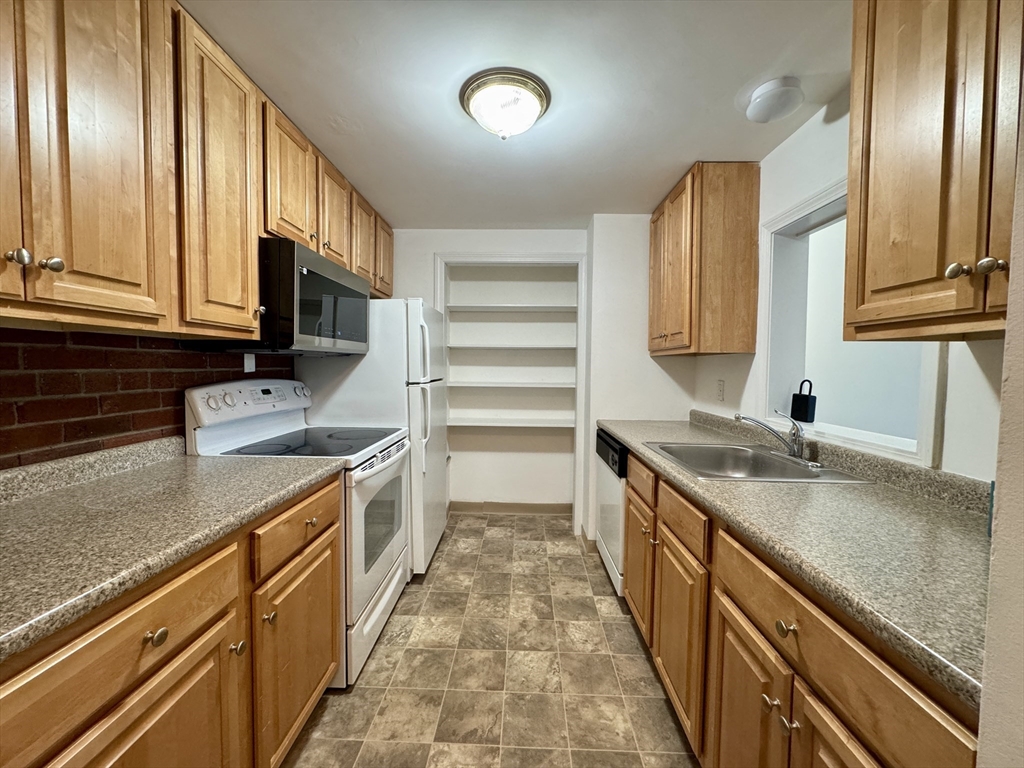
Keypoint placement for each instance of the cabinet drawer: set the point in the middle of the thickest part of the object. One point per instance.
(52, 700)
(274, 543)
(643, 480)
(893, 718)
(686, 521)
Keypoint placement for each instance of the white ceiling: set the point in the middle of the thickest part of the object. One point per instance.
(640, 90)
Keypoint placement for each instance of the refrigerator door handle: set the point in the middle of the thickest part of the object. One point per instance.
(426, 420)
(425, 344)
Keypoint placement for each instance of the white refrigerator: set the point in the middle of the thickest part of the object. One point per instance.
(400, 381)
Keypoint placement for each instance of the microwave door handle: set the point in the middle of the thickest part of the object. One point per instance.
(426, 424)
(424, 350)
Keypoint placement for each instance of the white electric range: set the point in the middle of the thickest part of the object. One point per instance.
(267, 417)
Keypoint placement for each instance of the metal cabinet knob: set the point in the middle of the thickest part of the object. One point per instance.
(261, 310)
(788, 726)
(784, 629)
(238, 648)
(312, 235)
(327, 243)
(655, 543)
(312, 522)
(769, 704)
(20, 256)
(156, 639)
(989, 265)
(54, 264)
(956, 269)
(270, 618)
(645, 531)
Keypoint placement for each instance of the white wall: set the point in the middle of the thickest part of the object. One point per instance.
(812, 159)
(623, 380)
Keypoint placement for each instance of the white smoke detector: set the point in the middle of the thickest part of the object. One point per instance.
(775, 100)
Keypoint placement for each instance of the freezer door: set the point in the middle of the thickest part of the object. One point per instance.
(428, 431)
(427, 351)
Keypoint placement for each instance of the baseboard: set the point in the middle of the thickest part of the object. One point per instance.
(589, 545)
(507, 508)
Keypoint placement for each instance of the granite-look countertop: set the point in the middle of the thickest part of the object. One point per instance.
(68, 551)
(912, 570)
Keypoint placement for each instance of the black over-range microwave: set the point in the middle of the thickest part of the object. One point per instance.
(308, 304)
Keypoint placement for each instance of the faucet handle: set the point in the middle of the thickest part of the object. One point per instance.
(797, 428)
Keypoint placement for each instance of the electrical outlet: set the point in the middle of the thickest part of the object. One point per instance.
(721, 390)
(249, 363)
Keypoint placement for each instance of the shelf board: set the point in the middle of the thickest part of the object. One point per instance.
(510, 346)
(514, 384)
(513, 422)
(512, 308)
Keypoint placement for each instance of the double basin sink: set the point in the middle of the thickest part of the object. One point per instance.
(748, 462)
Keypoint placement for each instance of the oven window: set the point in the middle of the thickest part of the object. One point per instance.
(382, 521)
(330, 310)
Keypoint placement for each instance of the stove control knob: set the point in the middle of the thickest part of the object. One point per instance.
(305, 391)
(298, 391)
(213, 403)
(229, 400)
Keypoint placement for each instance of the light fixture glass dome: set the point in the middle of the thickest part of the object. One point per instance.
(505, 101)
(775, 100)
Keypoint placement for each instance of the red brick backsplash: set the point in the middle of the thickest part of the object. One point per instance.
(62, 394)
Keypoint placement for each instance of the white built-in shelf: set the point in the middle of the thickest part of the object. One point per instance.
(511, 346)
(512, 422)
(514, 384)
(511, 307)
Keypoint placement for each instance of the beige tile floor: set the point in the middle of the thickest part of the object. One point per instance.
(512, 651)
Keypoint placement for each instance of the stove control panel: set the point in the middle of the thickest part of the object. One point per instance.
(230, 401)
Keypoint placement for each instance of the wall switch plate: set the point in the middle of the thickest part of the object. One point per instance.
(721, 390)
(249, 363)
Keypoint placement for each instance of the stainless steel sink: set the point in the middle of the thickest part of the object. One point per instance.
(748, 462)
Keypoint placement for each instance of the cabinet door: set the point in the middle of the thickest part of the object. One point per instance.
(656, 333)
(188, 714)
(12, 282)
(818, 739)
(680, 623)
(920, 162)
(677, 280)
(297, 637)
(219, 169)
(638, 565)
(335, 200)
(290, 179)
(384, 278)
(363, 236)
(96, 133)
(749, 687)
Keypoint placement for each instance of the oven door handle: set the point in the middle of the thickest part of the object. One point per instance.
(358, 477)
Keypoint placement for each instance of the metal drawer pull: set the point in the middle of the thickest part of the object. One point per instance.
(989, 265)
(769, 704)
(157, 638)
(270, 618)
(784, 629)
(238, 648)
(312, 522)
(787, 726)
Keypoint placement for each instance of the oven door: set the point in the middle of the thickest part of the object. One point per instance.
(377, 503)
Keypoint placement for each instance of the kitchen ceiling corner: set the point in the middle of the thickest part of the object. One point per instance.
(376, 87)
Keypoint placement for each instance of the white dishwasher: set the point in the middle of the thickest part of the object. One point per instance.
(611, 504)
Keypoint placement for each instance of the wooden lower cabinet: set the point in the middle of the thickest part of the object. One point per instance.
(297, 644)
(188, 714)
(638, 561)
(819, 739)
(679, 629)
(749, 687)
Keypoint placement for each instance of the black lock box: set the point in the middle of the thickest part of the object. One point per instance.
(803, 405)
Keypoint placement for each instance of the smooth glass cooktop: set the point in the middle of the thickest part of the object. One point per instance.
(316, 441)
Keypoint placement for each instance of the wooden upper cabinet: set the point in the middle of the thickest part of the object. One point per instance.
(12, 281)
(383, 279)
(364, 254)
(680, 622)
(704, 257)
(638, 561)
(290, 180)
(819, 739)
(297, 623)
(97, 131)
(219, 184)
(749, 687)
(921, 178)
(188, 714)
(335, 194)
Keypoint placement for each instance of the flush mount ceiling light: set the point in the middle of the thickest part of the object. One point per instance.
(505, 101)
(775, 100)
